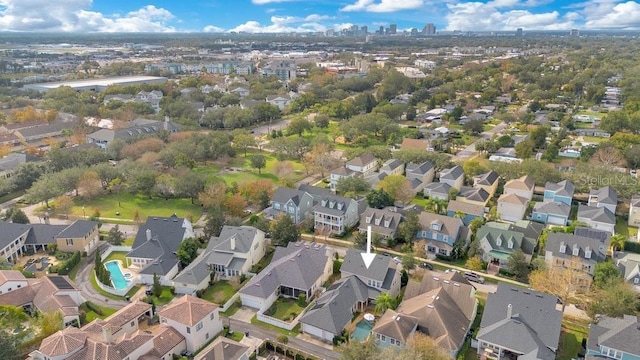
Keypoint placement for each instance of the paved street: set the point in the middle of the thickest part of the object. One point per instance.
(470, 150)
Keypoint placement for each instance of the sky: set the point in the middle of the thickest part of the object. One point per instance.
(273, 16)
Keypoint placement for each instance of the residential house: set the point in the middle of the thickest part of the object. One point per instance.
(295, 203)
(299, 268)
(11, 162)
(374, 178)
(154, 248)
(634, 211)
(441, 308)
(335, 214)
(284, 70)
(629, 266)
(440, 233)
(152, 98)
(599, 218)
(473, 195)
(384, 222)
(335, 308)
(46, 294)
(487, 181)
(498, 241)
(364, 164)
(604, 197)
(116, 337)
(512, 207)
(81, 235)
(281, 101)
(197, 320)
(419, 175)
(437, 190)
(454, 177)
(382, 275)
(561, 249)
(560, 192)
(393, 167)
(223, 348)
(555, 213)
(338, 174)
(34, 134)
(522, 187)
(139, 128)
(614, 338)
(241, 91)
(465, 210)
(232, 254)
(519, 324)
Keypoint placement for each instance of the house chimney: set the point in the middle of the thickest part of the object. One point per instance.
(106, 333)
(232, 243)
(148, 232)
(509, 311)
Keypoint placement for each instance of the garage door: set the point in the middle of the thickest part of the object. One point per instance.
(251, 302)
(555, 220)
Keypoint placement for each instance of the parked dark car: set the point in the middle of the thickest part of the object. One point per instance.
(426, 265)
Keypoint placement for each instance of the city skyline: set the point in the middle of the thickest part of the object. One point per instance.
(278, 16)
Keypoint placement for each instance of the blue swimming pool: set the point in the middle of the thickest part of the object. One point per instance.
(117, 278)
(362, 330)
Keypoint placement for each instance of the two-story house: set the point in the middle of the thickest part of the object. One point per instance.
(225, 349)
(629, 266)
(559, 192)
(453, 177)
(522, 187)
(562, 249)
(498, 243)
(440, 233)
(473, 195)
(364, 164)
(393, 167)
(335, 214)
(604, 197)
(294, 203)
(555, 213)
(197, 320)
(384, 222)
(487, 181)
(464, 210)
(512, 207)
(229, 255)
(338, 174)
(599, 218)
(382, 275)
(419, 175)
(281, 101)
(81, 235)
(614, 338)
(519, 324)
(634, 211)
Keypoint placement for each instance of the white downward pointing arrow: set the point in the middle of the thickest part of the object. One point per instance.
(368, 256)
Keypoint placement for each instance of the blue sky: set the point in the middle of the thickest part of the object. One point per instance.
(313, 15)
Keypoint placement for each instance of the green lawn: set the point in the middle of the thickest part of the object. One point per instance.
(294, 332)
(220, 292)
(285, 309)
(128, 204)
(623, 229)
(592, 139)
(165, 297)
(236, 335)
(571, 339)
(117, 255)
(232, 309)
(92, 315)
(266, 260)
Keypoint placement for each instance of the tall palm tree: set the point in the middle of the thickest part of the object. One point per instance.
(458, 214)
(384, 301)
(617, 243)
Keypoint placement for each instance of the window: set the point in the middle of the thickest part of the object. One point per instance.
(133, 323)
(206, 336)
(383, 338)
(636, 281)
(213, 316)
(70, 242)
(188, 330)
(199, 326)
(276, 206)
(292, 210)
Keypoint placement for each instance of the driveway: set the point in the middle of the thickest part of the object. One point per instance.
(470, 150)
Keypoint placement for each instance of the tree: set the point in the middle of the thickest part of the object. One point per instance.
(352, 186)
(116, 237)
(474, 263)
(258, 161)
(379, 199)
(214, 195)
(616, 298)
(617, 242)
(63, 204)
(16, 216)
(356, 350)
(408, 261)
(524, 149)
(187, 251)
(50, 322)
(321, 121)
(189, 184)
(409, 227)
(299, 126)
(518, 265)
(565, 282)
(609, 156)
(604, 273)
(156, 288)
(398, 187)
(284, 231)
(90, 185)
(235, 205)
(244, 141)
(214, 223)
(473, 127)
(384, 301)
(9, 349)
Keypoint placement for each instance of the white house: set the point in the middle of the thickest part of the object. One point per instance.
(196, 319)
(511, 207)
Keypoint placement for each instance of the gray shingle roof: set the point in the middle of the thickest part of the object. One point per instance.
(332, 311)
(452, 173)
(599, 214)
(353, 264)
(391, 165)
(44, 233)
(493, 236)
(437, 188)
(606, 195)
(362, 160)
(382, 217)
(11, 232)
(474, 194)
(592, 233)
(563, 188)
(299, 266)
(284, 194)
(166, 236)
(488, 178)
(243, 237)
(419, 169)
(555, 241)
(333, 205)
(467, 208)
(619, 334)
(554, 208)
(78, 229)
(535, 310)
(449, 225)
(13, 160)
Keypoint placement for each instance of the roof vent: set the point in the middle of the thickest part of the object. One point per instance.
(430, 306)
(446, 281)
(456, 284)
(539, 295)
(436, 279)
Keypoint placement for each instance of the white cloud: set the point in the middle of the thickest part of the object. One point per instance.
(73, 15)
(265, 2)
(607, 15)
(384, 6)
(212, 29)
(280, 24)
(490, 16)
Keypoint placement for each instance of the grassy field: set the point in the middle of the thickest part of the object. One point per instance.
(592, 139)
(220, 292)
(117, 255)
(623, 229)
(284, 309)
(127, 204)
(92, 315)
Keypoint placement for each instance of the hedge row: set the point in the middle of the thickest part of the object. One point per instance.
(632, 246)
(64, 268)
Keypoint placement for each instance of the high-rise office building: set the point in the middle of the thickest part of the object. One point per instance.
(364, 30)
(381, 30)
(519, 32)
(393, 28)
(574, 32)
(429, 29)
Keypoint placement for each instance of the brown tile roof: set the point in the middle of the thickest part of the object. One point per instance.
(63, 342)
(164, 340)
(362, 160)
(18, 297)
(127, 314)
(188, 310)
(513, 199)
(223, 349)
(467, 208)
(10, 275)
(99, 350)
(524, 183)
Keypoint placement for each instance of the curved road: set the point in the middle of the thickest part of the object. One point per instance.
(470, 150)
